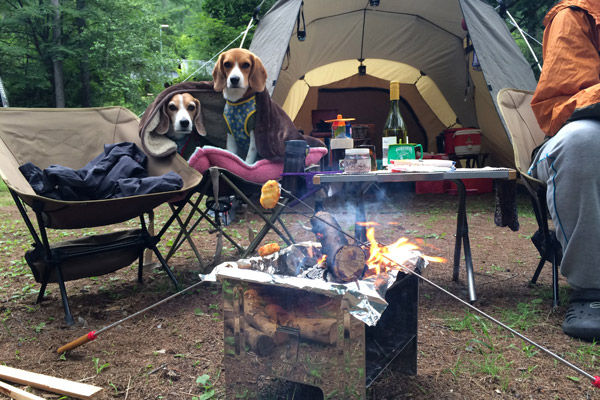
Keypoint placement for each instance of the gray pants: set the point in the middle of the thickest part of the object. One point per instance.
(569, 163)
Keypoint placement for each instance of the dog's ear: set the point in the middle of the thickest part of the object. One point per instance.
(199, 120)
(218, 74)
(258, 75)
(164, 122)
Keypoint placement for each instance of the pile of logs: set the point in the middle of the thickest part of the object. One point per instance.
(266, 325)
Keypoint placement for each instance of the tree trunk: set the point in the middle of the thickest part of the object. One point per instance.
(84, 65)
(59, 87)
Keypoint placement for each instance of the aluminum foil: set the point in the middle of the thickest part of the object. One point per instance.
(363, 299)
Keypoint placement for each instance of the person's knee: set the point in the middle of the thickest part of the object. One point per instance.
(578, 146)
(581, 137)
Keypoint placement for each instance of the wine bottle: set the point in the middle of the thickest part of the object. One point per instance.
(394, 130)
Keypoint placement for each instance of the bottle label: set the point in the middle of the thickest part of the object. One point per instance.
(385, 145)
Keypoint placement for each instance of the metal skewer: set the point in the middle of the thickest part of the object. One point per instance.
(94, 334)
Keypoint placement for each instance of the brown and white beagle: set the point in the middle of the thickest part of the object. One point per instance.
(179, 116)
(240, 74)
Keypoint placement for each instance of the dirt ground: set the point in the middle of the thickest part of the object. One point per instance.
(175, 351)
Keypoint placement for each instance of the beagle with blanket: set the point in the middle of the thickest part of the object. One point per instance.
(240, 75)
(178, 116)
(272, 129)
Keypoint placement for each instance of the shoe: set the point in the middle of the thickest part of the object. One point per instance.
(583, 316)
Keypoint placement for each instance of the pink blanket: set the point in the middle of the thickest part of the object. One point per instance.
(259, 172)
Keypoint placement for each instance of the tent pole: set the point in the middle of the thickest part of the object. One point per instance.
(525, 39)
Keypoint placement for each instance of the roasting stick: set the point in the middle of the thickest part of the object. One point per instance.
(595, 379)
(94, 334)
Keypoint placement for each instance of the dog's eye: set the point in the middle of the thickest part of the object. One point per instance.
(245, 65)
(172, 107)
(191, 107)
(227, 64)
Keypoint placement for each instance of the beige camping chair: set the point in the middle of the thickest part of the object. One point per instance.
(71, 138)
(526, 135)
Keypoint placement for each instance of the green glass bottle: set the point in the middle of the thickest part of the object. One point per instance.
(394, 130)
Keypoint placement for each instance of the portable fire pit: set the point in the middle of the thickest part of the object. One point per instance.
(278, 323)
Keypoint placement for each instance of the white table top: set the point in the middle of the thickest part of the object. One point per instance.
(387, 176)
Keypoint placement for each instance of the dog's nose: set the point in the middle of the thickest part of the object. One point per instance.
(234, 80)
(184, 123)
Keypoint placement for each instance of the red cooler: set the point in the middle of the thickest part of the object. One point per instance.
(467, 141)
(422, 187)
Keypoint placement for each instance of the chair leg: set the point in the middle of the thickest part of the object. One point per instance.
(43, 287)
(41, 293)
(63, 294)
(141, 267)
(539, 268)
(165, 266)
(150, 242)
(555, 298)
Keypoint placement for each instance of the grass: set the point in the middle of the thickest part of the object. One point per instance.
(5, 197)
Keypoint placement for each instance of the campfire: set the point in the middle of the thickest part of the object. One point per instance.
(391, 257)
(332, 314)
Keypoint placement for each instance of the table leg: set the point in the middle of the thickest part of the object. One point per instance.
(462, 239)
(360, 230)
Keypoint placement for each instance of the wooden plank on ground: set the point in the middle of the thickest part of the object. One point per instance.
(16, 393)
(49, 383)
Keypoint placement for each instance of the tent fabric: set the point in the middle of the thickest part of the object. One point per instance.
(420, 43)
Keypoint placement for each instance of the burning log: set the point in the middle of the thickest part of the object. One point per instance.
(345, 262)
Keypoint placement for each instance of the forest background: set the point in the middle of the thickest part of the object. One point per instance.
(92, 53)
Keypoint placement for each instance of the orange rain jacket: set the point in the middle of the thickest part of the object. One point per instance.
(569, 86)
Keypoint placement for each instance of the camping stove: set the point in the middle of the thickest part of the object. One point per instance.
(324, 345)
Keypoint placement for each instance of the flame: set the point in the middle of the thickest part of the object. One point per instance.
(380, 257)
(367, 223)
(322, 259)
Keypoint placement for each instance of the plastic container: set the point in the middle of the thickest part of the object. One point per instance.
(356, 161)
(338, 127)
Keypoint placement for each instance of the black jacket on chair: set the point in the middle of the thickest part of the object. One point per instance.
(120, 171)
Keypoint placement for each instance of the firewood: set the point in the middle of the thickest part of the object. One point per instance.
(262, 345)
(346, 262)
(268, 318)
(322, 330)
(49, 383)
(257, 319)
(16, 393)
(277, 314)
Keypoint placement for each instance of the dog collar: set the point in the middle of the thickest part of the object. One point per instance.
(241, 101)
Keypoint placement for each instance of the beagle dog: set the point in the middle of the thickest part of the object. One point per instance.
(240, 74)
(179, 115)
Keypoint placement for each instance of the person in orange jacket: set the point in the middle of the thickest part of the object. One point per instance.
(566, 103)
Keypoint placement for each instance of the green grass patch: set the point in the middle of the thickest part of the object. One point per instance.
(5, 197)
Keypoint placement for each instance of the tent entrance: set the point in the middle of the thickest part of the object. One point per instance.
(370, 105)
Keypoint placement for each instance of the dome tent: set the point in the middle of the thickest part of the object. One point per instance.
(421, 44)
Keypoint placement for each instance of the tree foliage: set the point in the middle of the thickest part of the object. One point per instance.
(123, 52)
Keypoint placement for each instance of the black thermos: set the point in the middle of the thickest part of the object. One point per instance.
(294, 162)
